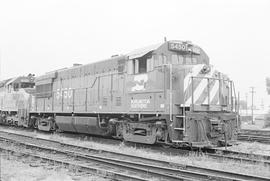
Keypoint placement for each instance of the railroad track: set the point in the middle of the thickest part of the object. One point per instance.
(262, 136)
(240, 156)
(216, 153)
(111, 164)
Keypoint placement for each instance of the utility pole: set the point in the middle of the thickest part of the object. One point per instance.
(246, 104)
(262, 105)
(252, 107)
(0, 65)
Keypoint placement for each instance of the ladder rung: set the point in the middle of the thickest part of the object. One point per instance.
(180, 129)
(178, 141)
(205, 104)
(180, 116)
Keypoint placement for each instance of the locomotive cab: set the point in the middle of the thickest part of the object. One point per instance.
(20, 83)
(183, 99)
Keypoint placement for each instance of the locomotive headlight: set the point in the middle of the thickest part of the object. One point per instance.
(206, 69)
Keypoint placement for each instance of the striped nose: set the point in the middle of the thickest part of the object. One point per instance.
(202, 86)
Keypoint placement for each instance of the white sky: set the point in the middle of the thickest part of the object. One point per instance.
(39, 36)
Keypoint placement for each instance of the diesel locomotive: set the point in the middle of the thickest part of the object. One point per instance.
(15, 94)
(167, 93)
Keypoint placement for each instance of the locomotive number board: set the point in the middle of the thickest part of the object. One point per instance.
(183, 47)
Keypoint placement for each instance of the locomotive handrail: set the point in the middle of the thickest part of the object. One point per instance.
(170, 98)
(145, 91)
(171, 93)
(232, 103)
(210, 78)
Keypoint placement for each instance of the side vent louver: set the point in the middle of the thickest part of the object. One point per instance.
(105, 101)
(118, 101)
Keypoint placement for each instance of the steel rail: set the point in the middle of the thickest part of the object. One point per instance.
(256, 131)
(95, 170)
(242, 154)
(236, 157)
(220, 153)
(262, 136)
(260, 139)
(158, 172)
(187, 167)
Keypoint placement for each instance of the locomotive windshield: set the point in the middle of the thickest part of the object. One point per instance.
(180, 59)
(27, 85)
(187, 54)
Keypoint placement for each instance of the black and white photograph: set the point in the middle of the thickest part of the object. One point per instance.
(133, 90)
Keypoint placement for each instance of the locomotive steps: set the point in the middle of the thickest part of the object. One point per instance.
(82, 157)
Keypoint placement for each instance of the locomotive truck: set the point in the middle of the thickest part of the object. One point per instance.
(166, 93)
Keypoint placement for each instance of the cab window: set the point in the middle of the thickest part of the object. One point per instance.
(188, 60)
(16, 86)
(160, 60)
(194, 60)
(142, 65)
(138, 65)
(177, 59)
(150, 63)
(27, 85)
(9, 88)
(180, 59)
